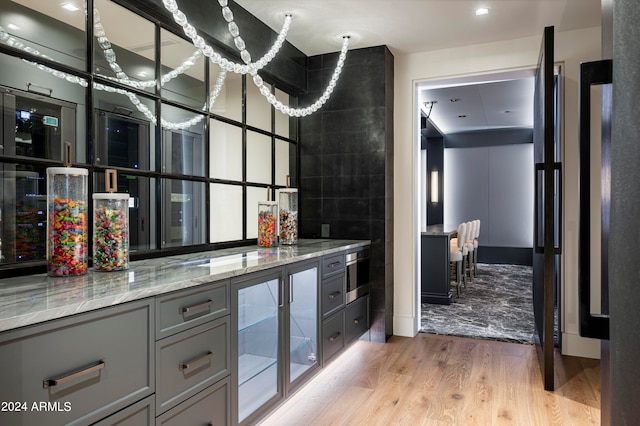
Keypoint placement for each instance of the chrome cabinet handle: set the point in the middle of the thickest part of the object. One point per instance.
(333, 264)
(47, 383)
(187, 309)
(334, 336)
(290, 289)
(335, 294)
(186, 365)
(281, 295)
(356, 320)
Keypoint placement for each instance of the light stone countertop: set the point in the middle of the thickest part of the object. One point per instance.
(34, 299)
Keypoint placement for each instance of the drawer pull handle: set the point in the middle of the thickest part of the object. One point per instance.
(335, 294)
(334, 264)
(47, 383)
(356, 321)
(187, 309)
(334, 336)
(187, 365)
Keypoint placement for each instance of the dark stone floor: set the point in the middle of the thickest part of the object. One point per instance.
(496, 305)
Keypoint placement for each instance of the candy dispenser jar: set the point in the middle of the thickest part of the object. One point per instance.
(267, 223)
(288, 216)
(66, 221)
(110, 232)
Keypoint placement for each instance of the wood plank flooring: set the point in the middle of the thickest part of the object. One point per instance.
(444, 380)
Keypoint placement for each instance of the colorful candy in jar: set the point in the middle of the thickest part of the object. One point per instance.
(288, 216)
(68, 237)
(288, 227)
(110, 231)
(267, 235)
(111, 239)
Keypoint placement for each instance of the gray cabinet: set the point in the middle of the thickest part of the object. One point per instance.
(208, 407)
(142, 413)
(181, 310)
(192, 355)
(333, 294)
(342, 322)
(188, 362)
(81, 368)
(333, 264)
(332, 335)
(356, 318)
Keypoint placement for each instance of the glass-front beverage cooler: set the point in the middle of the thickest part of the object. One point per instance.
(303, 322)
(277, 336)
(258, 341)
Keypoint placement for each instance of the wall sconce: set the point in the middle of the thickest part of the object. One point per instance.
(434, 186)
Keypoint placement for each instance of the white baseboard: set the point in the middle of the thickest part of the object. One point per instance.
(576, 345)
(405, 326)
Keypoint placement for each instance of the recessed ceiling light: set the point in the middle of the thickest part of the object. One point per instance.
(507, 112)
(13, 27)
(462, 116)
(70, 7)
(454, 100)
(482, 11)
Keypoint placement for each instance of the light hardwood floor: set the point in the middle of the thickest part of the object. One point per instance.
(443, 380)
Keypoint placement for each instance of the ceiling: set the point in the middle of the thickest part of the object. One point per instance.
(405, 27)
(412, 26)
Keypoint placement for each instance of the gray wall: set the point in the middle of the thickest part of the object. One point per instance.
(493, 184)
(624, 244)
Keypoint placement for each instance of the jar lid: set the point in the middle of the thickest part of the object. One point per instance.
(67, 171)
(288, 190)
(110, 196)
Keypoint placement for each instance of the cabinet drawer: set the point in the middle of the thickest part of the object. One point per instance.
(209, 407)
(82, 368)
(184, 309)
(332, 264)
(333, 294)
(332, 335)
(139, 414)
(190, 361)
(356, 320)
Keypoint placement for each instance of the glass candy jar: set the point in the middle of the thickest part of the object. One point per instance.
(110, 231)
(267, 223)
(66, 221)
(288, 207)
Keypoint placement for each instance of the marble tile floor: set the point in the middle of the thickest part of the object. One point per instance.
(496, 305)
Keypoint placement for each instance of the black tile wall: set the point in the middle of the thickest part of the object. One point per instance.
(346, 165)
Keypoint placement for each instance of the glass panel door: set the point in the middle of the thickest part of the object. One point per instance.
(258, 327)
(303, 322)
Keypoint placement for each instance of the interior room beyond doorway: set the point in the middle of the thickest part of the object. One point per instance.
(476, 140)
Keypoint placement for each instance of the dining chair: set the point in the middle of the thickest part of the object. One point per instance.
(458, 252)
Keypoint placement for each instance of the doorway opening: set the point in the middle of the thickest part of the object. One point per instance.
(484, 124)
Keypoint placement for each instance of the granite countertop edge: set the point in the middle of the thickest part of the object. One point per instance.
(34, 299)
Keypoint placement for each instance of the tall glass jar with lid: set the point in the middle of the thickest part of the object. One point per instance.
(66, 221)
(288, 206)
